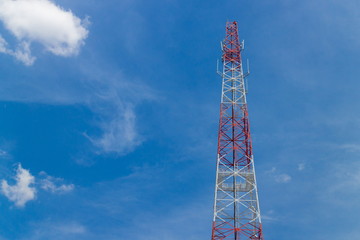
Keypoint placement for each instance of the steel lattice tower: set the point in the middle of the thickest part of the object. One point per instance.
(236, 208)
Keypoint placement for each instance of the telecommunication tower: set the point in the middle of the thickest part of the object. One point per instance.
(236, 208)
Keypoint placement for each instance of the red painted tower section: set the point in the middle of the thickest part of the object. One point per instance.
(236, 208)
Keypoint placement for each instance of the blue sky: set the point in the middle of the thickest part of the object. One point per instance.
(108, 123)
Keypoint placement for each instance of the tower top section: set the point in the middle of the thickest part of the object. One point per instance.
(231, 45)
(234, 90)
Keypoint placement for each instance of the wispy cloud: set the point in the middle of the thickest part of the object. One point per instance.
(110, 95)
(114, 98)
(119, 132)
(57, 231)
(54, 185)
(283, 178)
(278, 176)
(22, 52)
(3, 153)
(301, 166)
(346, 178)
(269, 216)
(57, 30)
(350, 147)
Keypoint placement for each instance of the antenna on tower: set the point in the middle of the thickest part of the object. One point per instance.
(217, 68)
(248, 68)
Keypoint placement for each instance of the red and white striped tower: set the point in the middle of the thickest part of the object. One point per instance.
(236, 208)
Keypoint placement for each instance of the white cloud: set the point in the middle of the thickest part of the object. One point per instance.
(111, 96)
(72, 228)
(55, 185)
(22, 191)
(56, 231)
(269, 216)
(22, 52)
(301, 167)
(3, 45)
(57, 30)
(272, 170)
(283, 178)
(27, 186)
(346, 178)
(114, 99)
(279, 177)
(350, 147)
(119, 134)
(3, 153)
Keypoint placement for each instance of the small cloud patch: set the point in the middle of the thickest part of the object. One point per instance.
(23, 190)
(301, 167)
(54, 185)
(283, 178)
(278, 176)
(26, 186)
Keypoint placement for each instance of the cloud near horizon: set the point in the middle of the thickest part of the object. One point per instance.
(42, 21)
